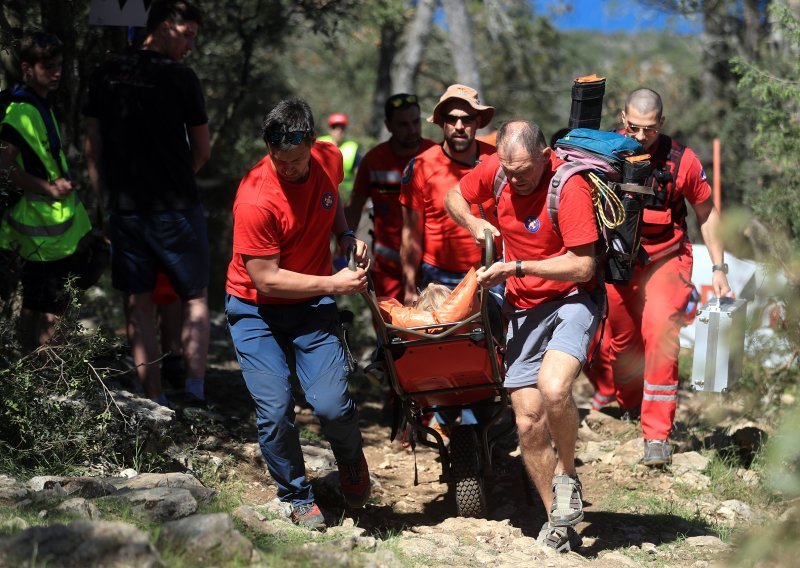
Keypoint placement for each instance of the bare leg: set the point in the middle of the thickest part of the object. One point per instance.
(143, 341)
(170, 324)
(534, 440)
(556, 376)
(195, 332)
(36, 328)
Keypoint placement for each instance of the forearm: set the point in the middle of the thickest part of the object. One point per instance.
(458, 208)
(567, 267)
(354, 209)
(293, 285)
(411, 249)
(710, 231)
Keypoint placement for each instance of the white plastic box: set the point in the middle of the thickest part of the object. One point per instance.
(719, 344)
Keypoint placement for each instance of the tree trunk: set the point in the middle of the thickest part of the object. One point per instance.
(407, 63)
(460, 33)
(58, 18)
(390, 34)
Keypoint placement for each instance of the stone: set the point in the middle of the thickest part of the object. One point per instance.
(739, 508)
(597, 450)
(706, 541)
(86, 487)
(128, 473)
(694, 480)
(41, 482)
(617, 559)
(257, 522)
(167, 480)
(12, 490)
(14, 524)
(158, 503)
(318, 459)
(629, 453)
(649, 548)
(206, 538)
(382, 558)
(79, 508)
(689, 461)
(81, 543)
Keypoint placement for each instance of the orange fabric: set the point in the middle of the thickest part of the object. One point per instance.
(459, 305)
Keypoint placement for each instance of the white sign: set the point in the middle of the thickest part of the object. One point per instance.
(119, 12)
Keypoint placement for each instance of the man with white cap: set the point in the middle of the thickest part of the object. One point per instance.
(434, 248)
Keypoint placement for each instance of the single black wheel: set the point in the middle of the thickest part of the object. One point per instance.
(465, 470)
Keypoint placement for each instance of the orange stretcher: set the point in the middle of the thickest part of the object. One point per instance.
(450, 359)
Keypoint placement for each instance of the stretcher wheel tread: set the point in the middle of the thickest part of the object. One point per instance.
(465, 468)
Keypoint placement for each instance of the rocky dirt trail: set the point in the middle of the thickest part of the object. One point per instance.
(635, 516)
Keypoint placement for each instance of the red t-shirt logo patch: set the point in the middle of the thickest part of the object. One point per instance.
(532, 224)
(327, 200)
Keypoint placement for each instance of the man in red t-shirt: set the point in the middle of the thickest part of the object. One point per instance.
(552, 316)
(638, 360)
(280, 300)
(434, 248)
(378, 178)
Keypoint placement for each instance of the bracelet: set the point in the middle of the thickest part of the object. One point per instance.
(347, 233)
(520, 273)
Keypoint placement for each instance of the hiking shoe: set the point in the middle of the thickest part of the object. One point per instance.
(567, 508)
(354, 482)
(308, 516)
(560, 539)
(657, 452)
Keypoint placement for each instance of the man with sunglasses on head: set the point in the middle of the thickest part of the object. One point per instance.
(434, 248)
(147, 136)
(638, 360)
(280, 308)
(378, 179)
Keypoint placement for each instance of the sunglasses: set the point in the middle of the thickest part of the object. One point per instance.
(466, 120)
(293, 137)
(646, 130)
(401, 100)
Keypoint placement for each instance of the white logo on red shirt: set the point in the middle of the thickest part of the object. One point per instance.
(328, 200)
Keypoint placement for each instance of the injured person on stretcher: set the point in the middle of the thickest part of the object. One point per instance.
(436, 304)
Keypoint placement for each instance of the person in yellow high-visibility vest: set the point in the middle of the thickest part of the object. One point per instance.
(48, 222)
(337, 126)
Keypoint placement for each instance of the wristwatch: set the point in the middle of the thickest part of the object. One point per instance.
(519, 272)
(721, 267)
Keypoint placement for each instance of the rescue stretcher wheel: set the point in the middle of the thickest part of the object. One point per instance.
(465, 469)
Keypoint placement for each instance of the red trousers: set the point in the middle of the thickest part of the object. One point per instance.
(637, 362)
(387, 277)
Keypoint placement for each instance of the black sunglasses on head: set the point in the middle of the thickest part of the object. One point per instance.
(401, 100)
(293, 137)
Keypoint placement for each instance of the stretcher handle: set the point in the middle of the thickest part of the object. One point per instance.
(351, 258)
(488, 251)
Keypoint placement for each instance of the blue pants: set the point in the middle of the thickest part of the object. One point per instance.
(266, 337)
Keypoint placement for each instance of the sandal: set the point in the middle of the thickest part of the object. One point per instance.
(567, 509)
(560, 539)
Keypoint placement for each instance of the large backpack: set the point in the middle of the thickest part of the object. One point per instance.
(620, 167)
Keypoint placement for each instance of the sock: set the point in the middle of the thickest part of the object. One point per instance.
(161, 399)
(196, 387)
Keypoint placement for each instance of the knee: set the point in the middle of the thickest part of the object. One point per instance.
(333, 409)
(555, 392)
(530, 423)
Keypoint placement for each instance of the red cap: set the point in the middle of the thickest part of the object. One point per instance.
(337, 118)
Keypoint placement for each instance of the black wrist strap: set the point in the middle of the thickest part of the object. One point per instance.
(347, 233)
(519, 272)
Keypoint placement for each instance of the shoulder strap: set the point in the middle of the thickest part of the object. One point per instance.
(499, 184)
(563, 173)
(675, 154)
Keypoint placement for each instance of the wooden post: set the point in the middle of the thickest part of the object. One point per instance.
(717, 187)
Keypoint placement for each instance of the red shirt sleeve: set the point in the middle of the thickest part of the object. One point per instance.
(478, 185)
(255, 232)
(412, 186)
(694, 184)
(576, 218)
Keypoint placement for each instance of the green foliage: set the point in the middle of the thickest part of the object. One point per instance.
(770, 91)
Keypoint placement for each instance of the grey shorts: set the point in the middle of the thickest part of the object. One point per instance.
(565, 325)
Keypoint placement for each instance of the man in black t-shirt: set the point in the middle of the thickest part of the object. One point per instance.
(147, 136)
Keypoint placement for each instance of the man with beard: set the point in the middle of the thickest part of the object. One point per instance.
(378, 178)
(434, 248)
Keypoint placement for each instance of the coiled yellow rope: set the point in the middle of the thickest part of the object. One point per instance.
(612, 215)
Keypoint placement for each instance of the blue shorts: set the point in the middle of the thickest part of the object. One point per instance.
(173, 241)
(566, 325)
